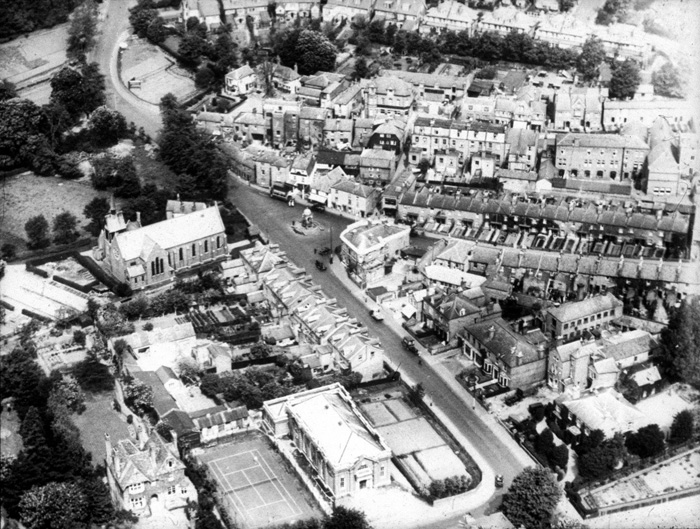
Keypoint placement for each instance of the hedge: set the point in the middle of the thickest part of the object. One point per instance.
(34, 315)
(82, 288)
(5, 304)
(37, 271)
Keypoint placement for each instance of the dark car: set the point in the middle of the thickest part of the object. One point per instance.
(322, 267)
(318, 207)
(499, 481)
(324, 251)
(409, 344)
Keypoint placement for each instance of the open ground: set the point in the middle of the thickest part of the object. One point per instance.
(99, 418)
(26, 195)
(27, 59)
(259, 488)
(157, 73)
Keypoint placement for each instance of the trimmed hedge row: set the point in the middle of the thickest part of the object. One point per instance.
(37, 271)
(82, 288)
(6, 305)
(34, 315)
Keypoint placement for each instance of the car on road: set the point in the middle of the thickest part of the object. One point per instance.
(409, 344)
(324, 251)
(499, 481)
(376, 314)
(318, 207)
(321, 266)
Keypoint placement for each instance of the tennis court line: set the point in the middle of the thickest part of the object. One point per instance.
(242, 509)
(230, 456)
(288, 496)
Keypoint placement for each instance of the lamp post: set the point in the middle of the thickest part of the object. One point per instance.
(330, 233)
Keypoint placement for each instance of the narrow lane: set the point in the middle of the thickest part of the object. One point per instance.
(274, 218)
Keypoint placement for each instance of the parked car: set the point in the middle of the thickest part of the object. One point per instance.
(409, 344)
(318, 207)
(324, 251)
(499, 481)
(321, 266)
(376, 314)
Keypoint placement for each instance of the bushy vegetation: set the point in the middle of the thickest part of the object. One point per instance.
(443, 488)
(20, 17)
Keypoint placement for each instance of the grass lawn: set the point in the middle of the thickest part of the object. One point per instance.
(99, 418)
(151, 171)
(26, 195)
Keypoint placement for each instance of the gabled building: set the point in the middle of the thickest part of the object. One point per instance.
(579, 109)
(322, 182)
(238, 11)
(389, 136)
(147, 470)
(447, 314)
(291, 10)
(431, 87)
(522, 146)
(143, 257)
(311, 123)
(449, 15)
(240, 81)
(568, 321)
(337, 133)
(335, 11)
(367, 246)
(250, 127)
(377, 166)
(286, 79)
(388, 96)
(341, 446)
(662, 171)
(511, 359)
(321, 89)
(404, 13)
(354, 198)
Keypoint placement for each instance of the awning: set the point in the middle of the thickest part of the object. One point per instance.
(314, 197)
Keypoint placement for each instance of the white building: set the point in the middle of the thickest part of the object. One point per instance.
(240, 81)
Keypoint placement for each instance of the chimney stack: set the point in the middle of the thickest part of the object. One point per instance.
(138, 217)
(492, 332)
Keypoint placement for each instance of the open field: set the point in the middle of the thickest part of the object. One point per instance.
(158, 73)
(33, 56)
(260, 490)
(26, 195)
(99, 418)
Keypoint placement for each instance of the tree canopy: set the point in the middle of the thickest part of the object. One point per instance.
(531, 499)
(64, 228)
(20, 17)
(54, 506)
(646, 442)
(83, 30)
(603, 459)
(24, 133)
(667, 81)
(589, 60)
(680, 343)
(625, 79)
(37, 229)
(683, 427)
(80, 90)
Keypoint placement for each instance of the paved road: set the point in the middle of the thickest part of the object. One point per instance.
(274, 218)
(114, 30)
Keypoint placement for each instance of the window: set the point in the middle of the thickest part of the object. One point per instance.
(600, 315)
(342, 483)
(382, 468)
(170, 463)
(183, 490)
(206, 246)
(181, 254)
(194, 250)
(137, 502)
(218, 242)
(605, 314)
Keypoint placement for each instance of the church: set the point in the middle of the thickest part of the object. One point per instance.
(147, 256)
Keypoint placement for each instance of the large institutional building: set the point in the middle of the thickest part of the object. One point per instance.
(151, 255)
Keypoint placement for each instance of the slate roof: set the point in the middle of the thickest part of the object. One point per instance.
(506, 344)
(582, 309)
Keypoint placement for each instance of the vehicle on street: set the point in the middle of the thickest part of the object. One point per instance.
(409, 344)
(376, 314)
(318, 207)
(321, 266)
(499, 481)
(324, 251)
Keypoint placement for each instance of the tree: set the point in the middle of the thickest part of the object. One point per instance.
(589, 60)
(78, 90)
(680, 343)
(138, 395)
(141, 18)
(559, 456)
(64, 228)
(361, 69)
(625, 79)
(682, 427)
(37, 229)
(82, 30)
(93, 376)
(346, 518)
(7, 90)
(646, 442)
(22, 378)
(603, 459)
(667, 81)
(566, 5)
(544, 442)
(211, 385)
(531, 499)
(95, 211)
(32, 430)
(204, 77)
(67, 393)
(54, 506)
(107, 127)
(8, 251)
(314, 53)
(424, 166)
(612, 11)
(24, 132)
(156, 32)
(191, 49)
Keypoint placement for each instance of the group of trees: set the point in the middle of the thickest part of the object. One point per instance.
(20, 17)
(82, 32)
(64, 230)
(174, 300)
(252, 387)
(557, 455)
(40, 137)
(341, 518)
(680, 352)
(309, 50)
(201, 168)
(613, 11)
(442, 488)
(531, 499)
(52, 482)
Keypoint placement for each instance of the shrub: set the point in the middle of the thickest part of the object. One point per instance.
(79, 337)
(559, 456)
(148, 326)
(682, 427)
(130, 419)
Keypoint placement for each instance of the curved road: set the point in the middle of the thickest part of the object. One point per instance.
(274, 218)
(114, 30)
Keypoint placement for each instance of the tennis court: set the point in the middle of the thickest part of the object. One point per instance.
(259, 489)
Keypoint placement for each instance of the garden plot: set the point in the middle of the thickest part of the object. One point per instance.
(410, 436)
(399, 409)
(440, 462)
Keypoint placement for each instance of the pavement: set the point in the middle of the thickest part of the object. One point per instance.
(491, 446)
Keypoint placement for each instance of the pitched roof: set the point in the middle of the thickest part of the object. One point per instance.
(171, 233)
(627, 344)
(385, 84)
(503, 342)
(582, 309)
(148, 463)
(607, 411)
(354, 188)
(240, 73)
(575, 139)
